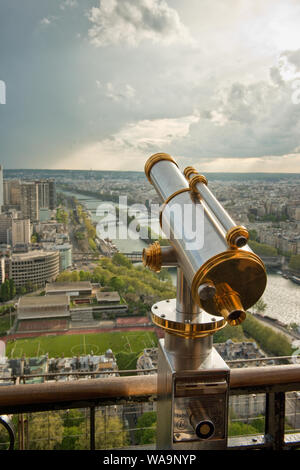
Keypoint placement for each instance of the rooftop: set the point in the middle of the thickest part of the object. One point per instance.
(68, 286)
(107, 296)
(31, 255)
(41, 301)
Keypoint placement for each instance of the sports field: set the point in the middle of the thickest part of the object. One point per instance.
(127, 345)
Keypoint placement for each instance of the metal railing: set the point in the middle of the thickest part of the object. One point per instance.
(275, 382)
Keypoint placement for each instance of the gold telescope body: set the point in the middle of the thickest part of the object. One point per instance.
(224, 275)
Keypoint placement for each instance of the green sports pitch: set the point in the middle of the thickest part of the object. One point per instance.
(126, 346)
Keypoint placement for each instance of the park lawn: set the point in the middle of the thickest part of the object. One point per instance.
(131, 342)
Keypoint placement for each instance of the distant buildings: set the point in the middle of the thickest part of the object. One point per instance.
(34, 267)
(1, 187)
(29, 197)
(12, 193)
(31, 259)
(67, 306)
(60, 369)
(72, 289)
(20, 232)
(46, 194)
(29, 204)
(148, 360)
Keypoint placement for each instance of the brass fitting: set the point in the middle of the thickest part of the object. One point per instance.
(152, 257)
(237, 237)
(229, 304)
(195, 180)
(157, 157)
(242, 269)
(188, 171)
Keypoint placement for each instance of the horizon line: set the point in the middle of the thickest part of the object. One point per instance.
(141, 171)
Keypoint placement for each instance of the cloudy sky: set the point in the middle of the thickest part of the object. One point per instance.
(104, 84)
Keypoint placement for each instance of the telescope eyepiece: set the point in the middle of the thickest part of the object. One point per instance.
(236, 317)
(229, 304)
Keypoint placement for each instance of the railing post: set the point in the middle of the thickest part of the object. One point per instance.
(275, 417)
(92, 428)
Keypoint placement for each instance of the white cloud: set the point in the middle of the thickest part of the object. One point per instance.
(253, 120)
(45, 21)
(129, 148)
(285, 164)
(68, 4)
(133, 21)
(116, 92)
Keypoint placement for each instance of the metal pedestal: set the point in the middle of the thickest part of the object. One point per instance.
(192, 404)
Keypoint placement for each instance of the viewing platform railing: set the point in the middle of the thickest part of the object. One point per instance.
(276, 383)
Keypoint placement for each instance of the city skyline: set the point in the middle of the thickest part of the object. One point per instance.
(104, 84)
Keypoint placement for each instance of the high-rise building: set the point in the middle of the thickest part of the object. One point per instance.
(1, 187)
(20, 232)
(30, 200)
(47, 194)
(43, 188)
(11, 192)
(5, 227)
(52, 195)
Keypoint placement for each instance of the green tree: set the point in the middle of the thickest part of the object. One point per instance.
(294, 263)
(269, 340)
(12, 288)
(121, 260)
(5, 291)
(72, 420)
(109, 433)
(238, 428)
(45, 431)
(262, 249)
(92, 244)
(260, 306)
(253, 234)
(117, 284)
(146, 434)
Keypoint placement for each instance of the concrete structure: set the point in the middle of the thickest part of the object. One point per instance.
(54, 306)
(108, 298)
(148, 360)
(69, 288)
(47, 194)
(20, 232)
(1, 188)
(5, 227)
(232, 351)
(12, 193)
(30, 200)
(2, 269)
(35, 267)
(65, 255)
(45, 214)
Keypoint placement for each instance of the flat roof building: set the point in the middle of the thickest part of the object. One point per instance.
(108, 297)
(43, 307)
(69, 288)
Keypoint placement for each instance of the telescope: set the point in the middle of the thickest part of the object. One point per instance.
(218, 279)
